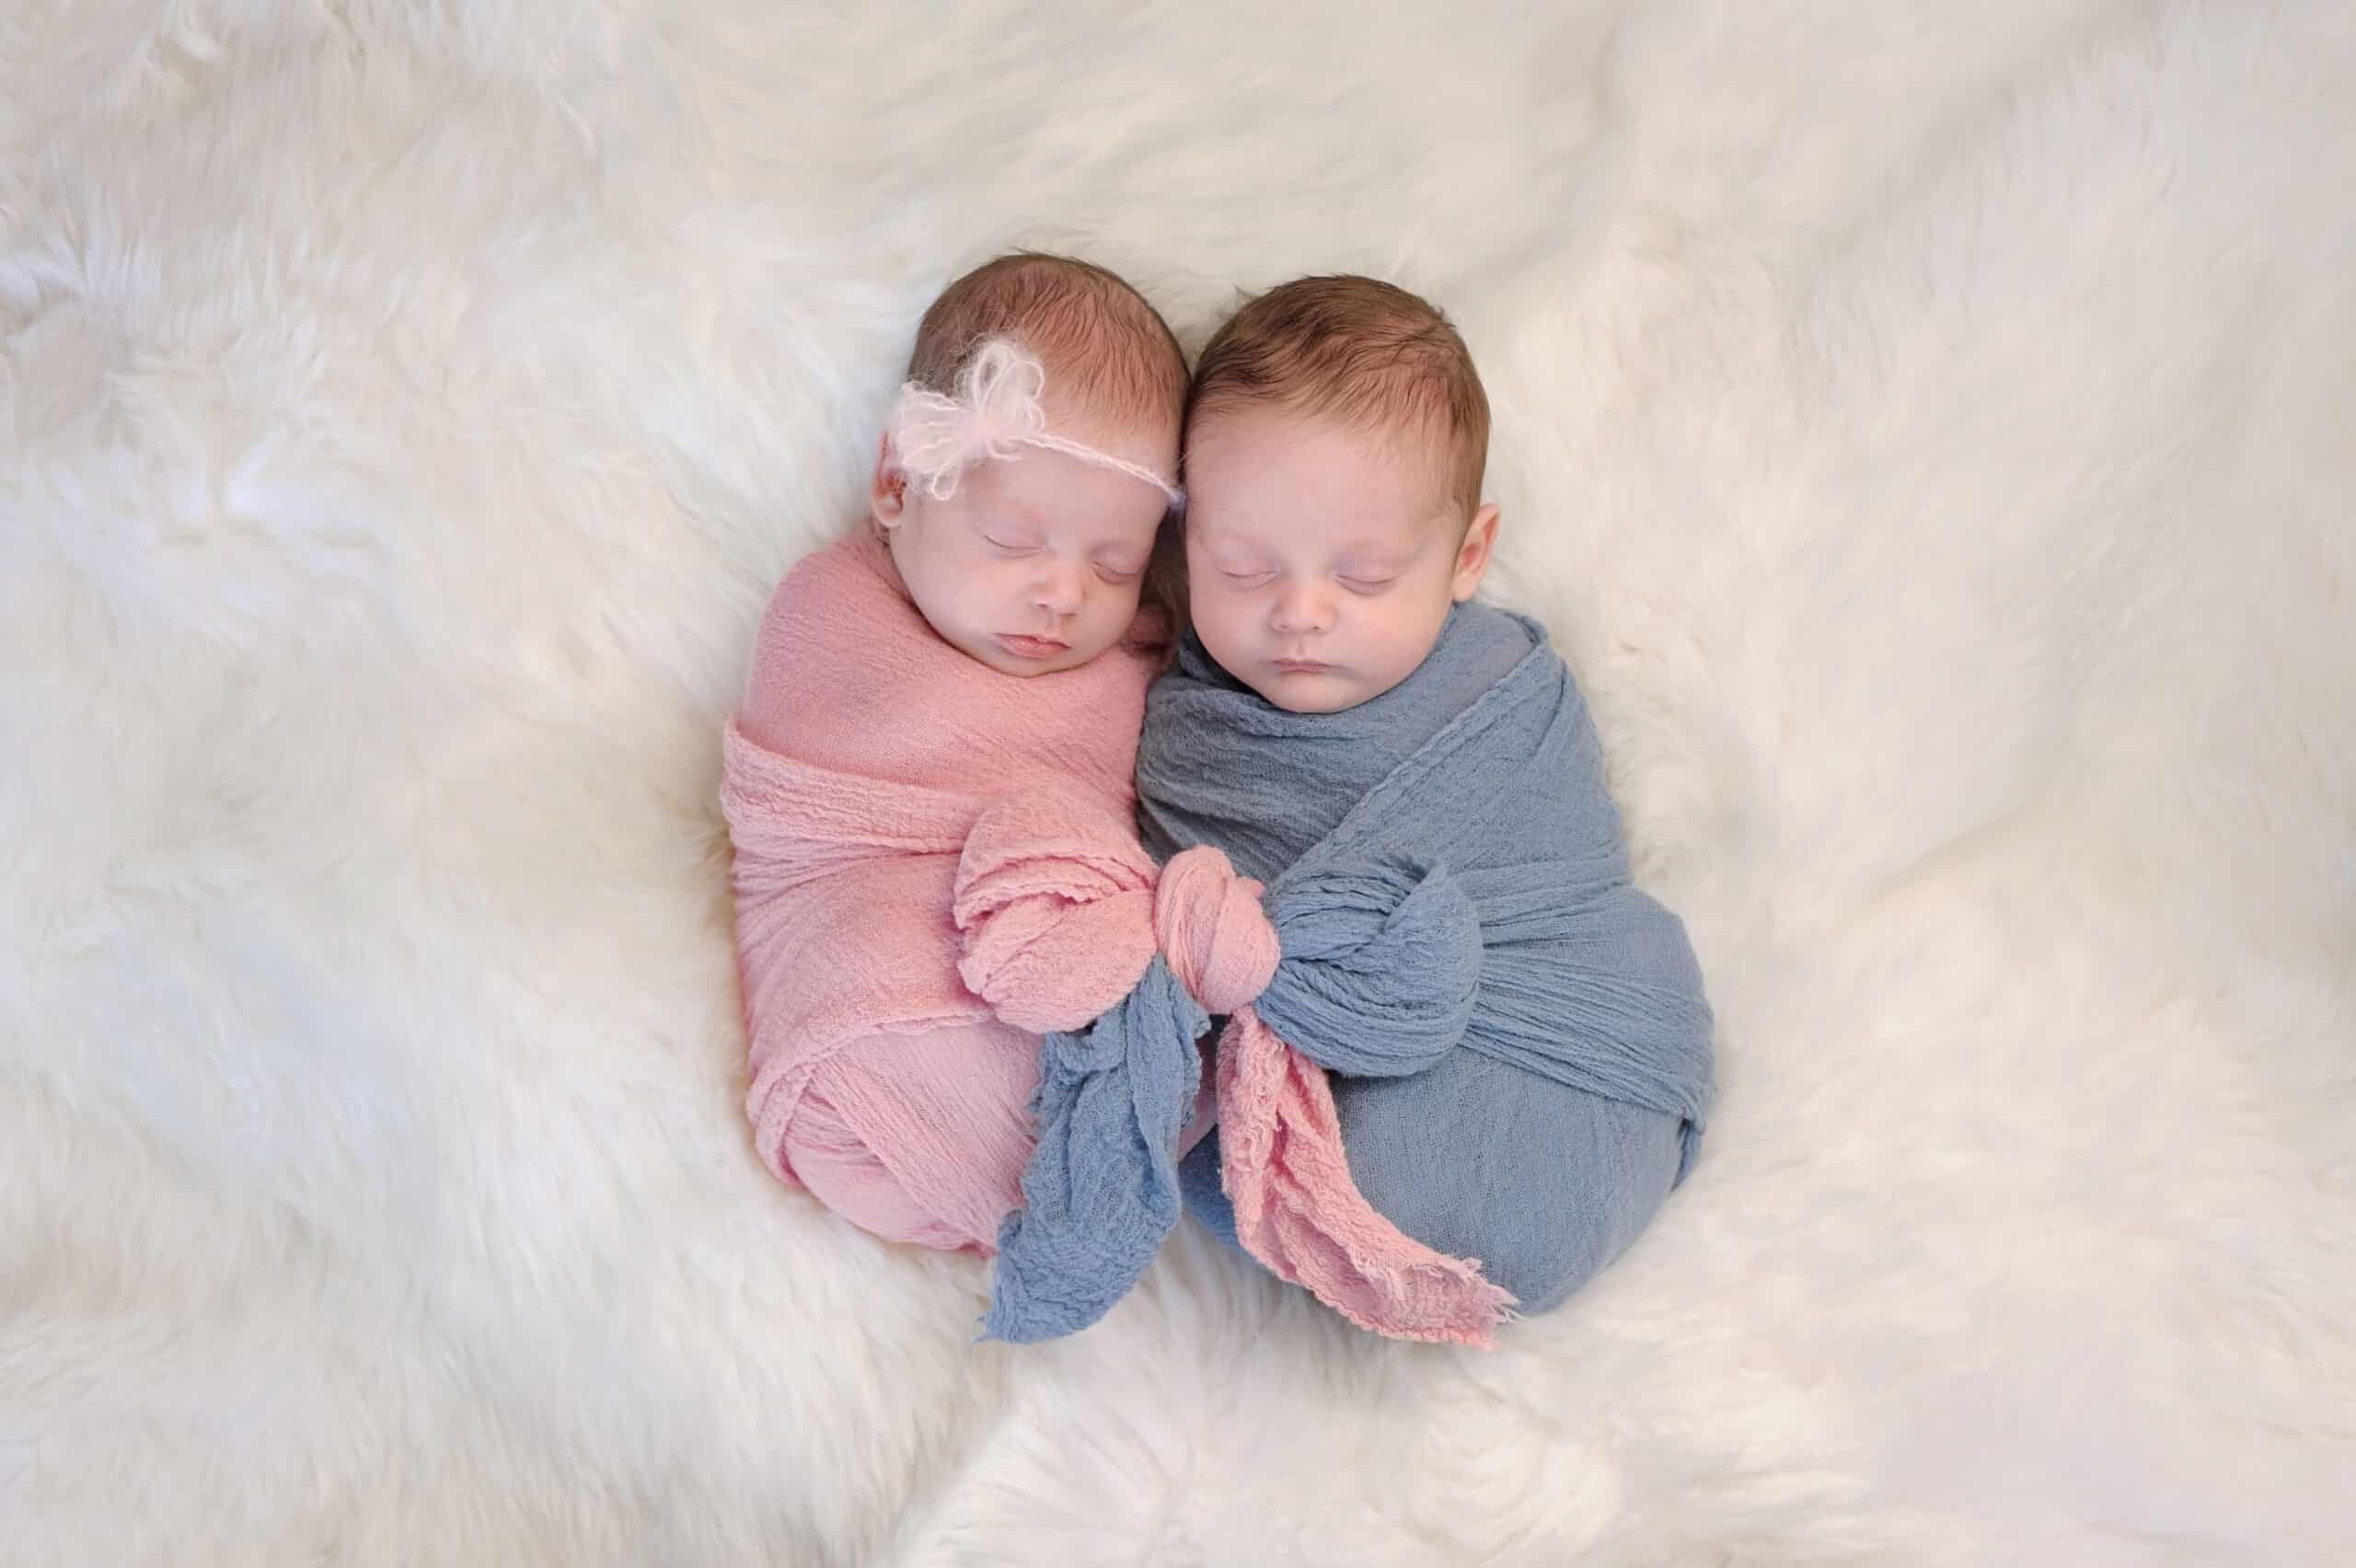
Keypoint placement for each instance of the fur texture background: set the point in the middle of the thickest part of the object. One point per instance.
(1929, 428)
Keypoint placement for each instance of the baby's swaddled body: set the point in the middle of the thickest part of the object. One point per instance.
(1543, 1182)
(928, 784)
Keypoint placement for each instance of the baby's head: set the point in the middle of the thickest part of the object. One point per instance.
(1027, 474)
(1337, 433)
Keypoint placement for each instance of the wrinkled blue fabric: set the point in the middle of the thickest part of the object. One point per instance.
(1101, 1192)
(1518, 1036)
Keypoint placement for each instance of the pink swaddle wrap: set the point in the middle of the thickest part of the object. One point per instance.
(866, 756)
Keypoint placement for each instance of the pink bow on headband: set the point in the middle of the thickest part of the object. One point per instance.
(994, 413)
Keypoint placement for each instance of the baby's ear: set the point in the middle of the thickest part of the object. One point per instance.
(1473, 554)
(887, 488)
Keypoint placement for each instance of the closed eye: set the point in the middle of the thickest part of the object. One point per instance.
(1116, 576)
(1010, 545)
(1368, 585)
(1249, 579)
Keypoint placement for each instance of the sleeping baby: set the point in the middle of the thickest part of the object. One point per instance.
(938, 737)
(1473, 1057)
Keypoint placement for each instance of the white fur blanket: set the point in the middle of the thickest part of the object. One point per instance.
(1927, 428)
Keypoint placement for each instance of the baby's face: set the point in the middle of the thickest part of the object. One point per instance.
(1321, 560)
(1034, 565)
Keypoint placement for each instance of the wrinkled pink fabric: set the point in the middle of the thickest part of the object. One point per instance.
(952, 1102)
(1297, 1208)
(1057, 907)
(867, 753)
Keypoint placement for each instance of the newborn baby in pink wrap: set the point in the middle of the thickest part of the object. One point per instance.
(942, 705)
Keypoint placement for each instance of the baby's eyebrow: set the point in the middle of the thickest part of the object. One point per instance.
(1006, 534)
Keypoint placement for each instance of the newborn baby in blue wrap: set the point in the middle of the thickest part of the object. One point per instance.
(1336, 435)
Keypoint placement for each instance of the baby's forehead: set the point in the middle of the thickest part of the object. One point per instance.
(1268, 451)
(1047, 491)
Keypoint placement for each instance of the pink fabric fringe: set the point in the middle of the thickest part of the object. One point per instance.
(1282, 1163)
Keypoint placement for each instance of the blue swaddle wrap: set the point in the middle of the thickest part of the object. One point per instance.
(1534, 1123)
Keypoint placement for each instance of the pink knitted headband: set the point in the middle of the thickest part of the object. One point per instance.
(994, 413)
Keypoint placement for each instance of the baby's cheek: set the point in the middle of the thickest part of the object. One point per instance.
(1401, 634)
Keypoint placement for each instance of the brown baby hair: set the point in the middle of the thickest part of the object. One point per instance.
(1358, 351)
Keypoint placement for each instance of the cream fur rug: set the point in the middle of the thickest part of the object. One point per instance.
(1931, 429)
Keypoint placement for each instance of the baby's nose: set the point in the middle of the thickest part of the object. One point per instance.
(1059, 589)
(1302, 609)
